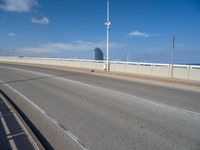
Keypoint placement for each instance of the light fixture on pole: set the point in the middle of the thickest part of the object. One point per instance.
(108, 23)
(172, 56)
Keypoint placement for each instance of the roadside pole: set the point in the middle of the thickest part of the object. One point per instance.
(172, 56)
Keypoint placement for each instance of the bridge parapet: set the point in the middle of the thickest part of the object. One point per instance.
(188, 72)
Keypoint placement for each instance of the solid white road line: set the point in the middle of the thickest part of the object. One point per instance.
(70, 134)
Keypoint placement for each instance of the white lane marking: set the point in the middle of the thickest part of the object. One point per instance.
(138, 99)
(195, 115)
(70, 134)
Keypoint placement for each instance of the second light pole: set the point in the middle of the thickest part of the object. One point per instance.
(172, 56)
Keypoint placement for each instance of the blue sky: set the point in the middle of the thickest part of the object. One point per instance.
(141, 29)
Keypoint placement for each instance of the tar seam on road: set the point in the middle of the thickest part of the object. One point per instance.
(139, 100)
(70, 134)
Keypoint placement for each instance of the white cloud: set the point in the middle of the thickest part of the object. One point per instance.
(141, 34)
(138, 34)
(71, 46)
(18, 5)
(44, 20)
(11, 34)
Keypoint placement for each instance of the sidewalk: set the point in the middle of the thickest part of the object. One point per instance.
(12, 136)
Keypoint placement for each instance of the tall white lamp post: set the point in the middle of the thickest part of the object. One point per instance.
(108, 23)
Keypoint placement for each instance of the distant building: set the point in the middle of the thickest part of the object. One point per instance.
(98, 54)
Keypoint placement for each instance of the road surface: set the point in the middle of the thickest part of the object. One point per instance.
(111, 114)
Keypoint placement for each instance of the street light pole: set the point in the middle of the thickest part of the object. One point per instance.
(172, 56)
(108, 23)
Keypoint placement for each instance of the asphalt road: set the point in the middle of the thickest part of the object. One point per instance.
(112, 114)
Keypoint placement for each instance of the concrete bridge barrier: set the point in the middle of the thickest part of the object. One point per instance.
(188, 72)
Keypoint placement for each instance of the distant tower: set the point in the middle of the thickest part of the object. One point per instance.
(98, 54)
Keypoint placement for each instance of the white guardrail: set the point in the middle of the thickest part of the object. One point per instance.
(189, 72)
